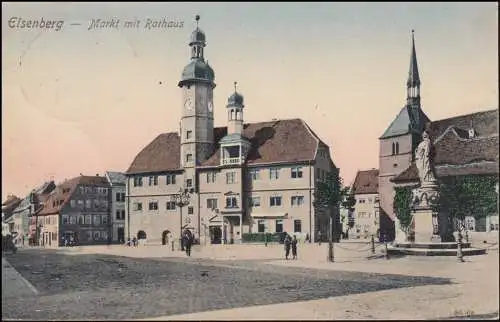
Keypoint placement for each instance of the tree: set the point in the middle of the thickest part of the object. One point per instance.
(328, 194)
(402, 208)
(348, 203)
(464, 196)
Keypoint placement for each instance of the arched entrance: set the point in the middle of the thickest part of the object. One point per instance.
(164, 237)
(141, 234)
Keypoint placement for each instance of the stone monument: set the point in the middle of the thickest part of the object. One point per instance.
(425, 196)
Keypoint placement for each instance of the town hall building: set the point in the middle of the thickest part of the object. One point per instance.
(223, 182)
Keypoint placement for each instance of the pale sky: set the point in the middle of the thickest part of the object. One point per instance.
(78, 101)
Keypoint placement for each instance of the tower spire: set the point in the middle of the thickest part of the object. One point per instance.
(413, 83)
(235, 83)
(197, 18)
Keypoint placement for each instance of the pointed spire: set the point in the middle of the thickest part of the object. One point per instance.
(413, 76)
(197, 18)
(235, 83)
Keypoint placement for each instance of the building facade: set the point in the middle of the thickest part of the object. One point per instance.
(463, 145)
(79, 208)
(8, 206)
(24, 212)
(366, 212)
(233, 180)
(117, 181)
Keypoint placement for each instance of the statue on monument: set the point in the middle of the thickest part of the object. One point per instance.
(424, 160)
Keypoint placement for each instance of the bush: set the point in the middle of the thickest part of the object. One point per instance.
(261, 237)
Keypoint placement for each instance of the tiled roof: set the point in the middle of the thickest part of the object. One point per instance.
(456, 153)
(275, 141)
(63, 192)
(409, 119)
(366, 182)
(10, 199)
(9, 205)
(116, 177)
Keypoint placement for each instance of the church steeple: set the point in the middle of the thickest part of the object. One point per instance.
(413, 83)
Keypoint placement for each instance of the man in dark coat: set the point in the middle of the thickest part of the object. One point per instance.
(187, 240)
(288, 242)
(294, 247)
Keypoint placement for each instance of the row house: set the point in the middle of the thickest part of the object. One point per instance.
(79, 208)
(117, 181)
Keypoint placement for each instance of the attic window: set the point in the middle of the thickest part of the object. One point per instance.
(472, 133)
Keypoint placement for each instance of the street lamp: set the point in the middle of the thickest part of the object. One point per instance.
(181, 199)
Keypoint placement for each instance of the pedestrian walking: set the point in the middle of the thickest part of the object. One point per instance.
(294, 247)
(187, 240)
(287, 243)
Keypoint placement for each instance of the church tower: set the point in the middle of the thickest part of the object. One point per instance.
(398, 143)
(197, 120)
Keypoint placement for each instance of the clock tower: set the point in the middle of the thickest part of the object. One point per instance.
(197, 120)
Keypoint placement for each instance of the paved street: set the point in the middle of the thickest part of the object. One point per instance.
(97, 286)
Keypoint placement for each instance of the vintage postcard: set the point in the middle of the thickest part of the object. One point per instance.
(249, 161)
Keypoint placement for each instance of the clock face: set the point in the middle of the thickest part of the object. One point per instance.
(210, 106)
(188, 104)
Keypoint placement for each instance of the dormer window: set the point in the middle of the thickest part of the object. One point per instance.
(471, 133)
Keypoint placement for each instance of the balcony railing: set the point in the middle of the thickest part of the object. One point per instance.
(236, 160)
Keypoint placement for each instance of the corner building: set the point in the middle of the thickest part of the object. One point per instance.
(241, 178)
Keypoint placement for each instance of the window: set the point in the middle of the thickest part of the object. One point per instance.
(297, 172)
(170, 205)
(96, 235)
(170, 178)
(153, 205)
(104, 191)
(274, 173)
(275, 201)
(254, 174)
(153, 180)
(395, 148)
(138, 206)
(81, 220)
(96, 203)
(297, 200)
(189, 183)
(123, 214)
(189, 157)
(88, 203)
(80, 203)
(72, 220)
(297, 226)
(104, 220)
(82, 189)
(120, 197)
(54, 236)
(137, 181)
(212, 203)
(361, 200)
(230, 177)
(65, 219)
(279, 225)
(211, 176)
(190, 210)
(72, 203)
(97, 219)
(189, 134)
(88, 219)
(261, 226)
(231, 202)
(118, 214)
(255, 202)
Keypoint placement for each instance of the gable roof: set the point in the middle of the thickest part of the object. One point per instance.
(115, 177)
(272, 142)
(9, 205)
(457, 154)
(366, 182)
(58, 198)
(410, 119)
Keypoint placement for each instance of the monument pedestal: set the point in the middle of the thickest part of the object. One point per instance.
(425, 219)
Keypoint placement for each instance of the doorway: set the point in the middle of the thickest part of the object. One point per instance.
(164, 237)
(121, 234)
(215, 234)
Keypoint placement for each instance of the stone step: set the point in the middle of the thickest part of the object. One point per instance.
(433, 252)
(429, 245)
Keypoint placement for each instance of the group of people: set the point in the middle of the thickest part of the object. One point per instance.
(290, 243)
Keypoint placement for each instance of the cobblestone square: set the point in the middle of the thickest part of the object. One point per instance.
(102, 286)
